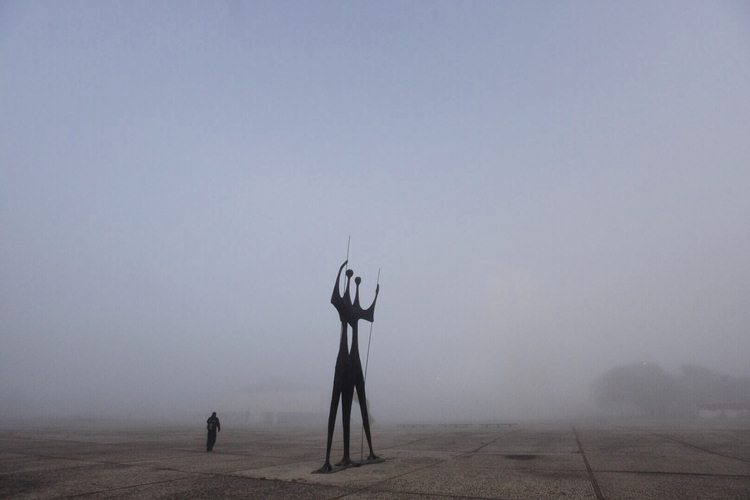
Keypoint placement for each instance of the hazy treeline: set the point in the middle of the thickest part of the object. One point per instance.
(646, 389)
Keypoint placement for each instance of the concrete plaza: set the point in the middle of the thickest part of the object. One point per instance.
(703, 460)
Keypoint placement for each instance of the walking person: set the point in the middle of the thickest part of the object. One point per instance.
(212, 426)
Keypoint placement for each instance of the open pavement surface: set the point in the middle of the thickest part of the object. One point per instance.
(704, 460)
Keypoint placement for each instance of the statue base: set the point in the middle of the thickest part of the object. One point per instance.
(339, 468)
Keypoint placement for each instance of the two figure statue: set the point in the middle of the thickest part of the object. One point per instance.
(348, 376)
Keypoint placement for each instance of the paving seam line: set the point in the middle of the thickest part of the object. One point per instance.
(76, 459)
(675, 473)
(594, 483)
(89, 493)
(684, 443)
(53, 440)
(490, 442)
(190, 475)
(156, 467)
(360, 490)
(439, 495)
(700, 448)
(396, 446)
(373, 486)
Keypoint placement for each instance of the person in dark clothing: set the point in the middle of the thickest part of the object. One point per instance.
(213, 426)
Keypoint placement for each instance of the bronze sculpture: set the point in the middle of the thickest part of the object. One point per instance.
(358, 378)
(348, 374)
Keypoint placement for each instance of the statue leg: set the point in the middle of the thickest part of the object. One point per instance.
(347, 395)
(335, 395)
(360, 385)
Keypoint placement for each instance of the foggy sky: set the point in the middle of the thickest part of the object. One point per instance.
(550, 189)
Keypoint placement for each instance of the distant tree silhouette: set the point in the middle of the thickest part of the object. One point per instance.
(702, 385)
(640, 389)
(646, 389)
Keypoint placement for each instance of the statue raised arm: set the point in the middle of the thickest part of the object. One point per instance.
(365, 314)
(336, 297)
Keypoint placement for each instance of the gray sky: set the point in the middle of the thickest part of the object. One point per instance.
(549, 189)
